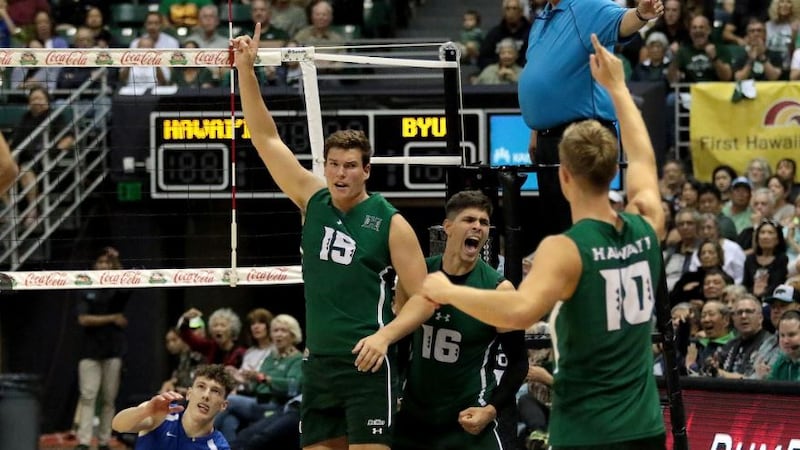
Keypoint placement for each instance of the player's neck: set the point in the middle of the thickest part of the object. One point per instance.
(452, 264)
(196, 428)
(592, 206)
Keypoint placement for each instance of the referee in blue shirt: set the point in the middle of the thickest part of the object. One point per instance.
(556, 87)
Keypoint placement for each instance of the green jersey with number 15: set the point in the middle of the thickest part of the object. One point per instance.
(604, 389)
(346, 272)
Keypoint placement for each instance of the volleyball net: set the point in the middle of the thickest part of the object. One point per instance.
(166, 173)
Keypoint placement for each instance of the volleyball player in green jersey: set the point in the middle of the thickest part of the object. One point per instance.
(599, 279)
(350, 239)
(450, 400)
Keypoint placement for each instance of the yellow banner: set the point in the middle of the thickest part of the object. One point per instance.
(723, 132)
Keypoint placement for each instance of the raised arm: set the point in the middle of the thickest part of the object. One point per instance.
(148, 415)
(291, 177)
(641, 177)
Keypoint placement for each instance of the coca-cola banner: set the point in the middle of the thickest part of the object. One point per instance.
(741, 420)
(91, 279)
(127, 57)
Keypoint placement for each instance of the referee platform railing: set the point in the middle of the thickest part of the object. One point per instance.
(63, 179)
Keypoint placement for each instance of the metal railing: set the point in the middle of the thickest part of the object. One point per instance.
(63, 179)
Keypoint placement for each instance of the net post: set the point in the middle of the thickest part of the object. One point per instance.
(511, 182)
(452, 101)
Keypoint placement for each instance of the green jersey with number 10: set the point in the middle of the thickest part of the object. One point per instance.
(604, 389)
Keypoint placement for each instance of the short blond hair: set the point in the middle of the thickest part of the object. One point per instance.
(292, 324)
(589, 151)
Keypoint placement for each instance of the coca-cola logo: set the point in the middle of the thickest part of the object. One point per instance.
(63, 58)
(5, 58)
(149, 58)
(271, 274)
(46, 279)
(212, 58)
(126, 278)
(194, 276)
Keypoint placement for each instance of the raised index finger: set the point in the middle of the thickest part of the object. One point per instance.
(598, 47)
(257, 35)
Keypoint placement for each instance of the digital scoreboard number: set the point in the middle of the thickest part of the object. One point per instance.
(191, 151)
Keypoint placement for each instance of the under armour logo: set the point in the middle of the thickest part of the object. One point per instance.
(445, 317)
(377, 431)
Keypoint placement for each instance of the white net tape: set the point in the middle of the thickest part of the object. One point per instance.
(143, 278)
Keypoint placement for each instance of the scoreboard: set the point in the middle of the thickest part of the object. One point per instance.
(190, 151)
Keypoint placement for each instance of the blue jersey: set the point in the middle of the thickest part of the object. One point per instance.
(170, 436)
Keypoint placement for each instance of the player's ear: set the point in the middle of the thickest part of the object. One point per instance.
(224, 405)
(367, 170)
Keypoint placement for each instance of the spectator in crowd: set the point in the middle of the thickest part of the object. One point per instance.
(24, 12)
(535, 398)
(514, 26)
(188, 361)
(700, 60)
(793, 241)
(714, 283)
(138, 79)
(669, 223)
(758, 170)
(689, 194)
(735, 29)
(8, 29)
(320, 33)
(715, 333)
(733, 292)
(505, 70)
(288, 17)
(27, 78)
(765, 269)
(736, 359)
(8, 168)
(738, 209)
(678, 256)
(153, 24)
(787, 366)
(278, 381)
(72, 77)
(654, 63)
(221, 347)
(271, 35)
(205, 33)
(94, 21)
(733, 255)
(763, 206)
(162, 422)
(690, 286)
(759, 64)
(259, 320)
(194, 77)
(785, 298)
(182, 13)
(44, 31)
(783, 209)
(673, 25)
(710, 201)
(673, 174)
(782, 27)
(471, 36)
(38, 114)
(722, 177)
(786, 169)
(102, 318)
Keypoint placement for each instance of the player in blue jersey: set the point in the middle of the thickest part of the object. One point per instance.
(164, 424)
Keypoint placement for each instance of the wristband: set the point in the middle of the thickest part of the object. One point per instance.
(639, 15)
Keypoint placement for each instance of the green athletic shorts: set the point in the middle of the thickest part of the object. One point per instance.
(338, 400)
(412, 433)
